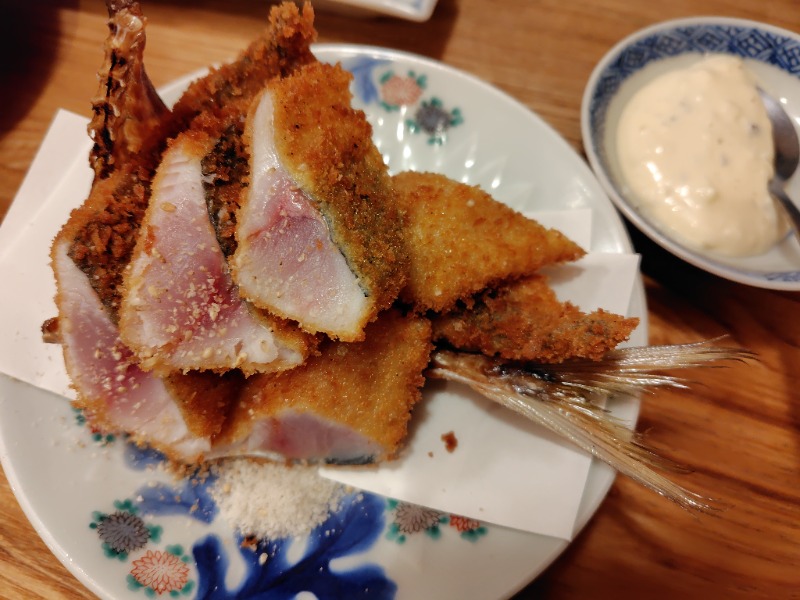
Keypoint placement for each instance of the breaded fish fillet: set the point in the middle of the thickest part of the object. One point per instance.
(461, 241)
(131, 128)
(318, 234)
(179, 414)
(180, 309)
(524, 320)
(350, 404)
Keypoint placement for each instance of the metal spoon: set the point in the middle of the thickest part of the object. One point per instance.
(787, 157)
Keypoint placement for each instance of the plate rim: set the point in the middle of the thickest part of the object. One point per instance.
(416, 10)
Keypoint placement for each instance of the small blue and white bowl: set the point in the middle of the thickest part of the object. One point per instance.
(770, 53)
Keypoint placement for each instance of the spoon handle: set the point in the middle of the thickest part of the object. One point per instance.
(778, 192)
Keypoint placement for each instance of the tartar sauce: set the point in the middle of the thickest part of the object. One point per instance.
(695, 148)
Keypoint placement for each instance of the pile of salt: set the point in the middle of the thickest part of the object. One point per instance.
(272, 501)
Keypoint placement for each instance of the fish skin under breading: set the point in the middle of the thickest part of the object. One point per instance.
(524, 320)
(368, 387)
(461, 241)
(328, 149)
(318, 234)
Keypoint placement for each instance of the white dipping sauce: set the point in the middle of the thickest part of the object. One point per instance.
(695, 149)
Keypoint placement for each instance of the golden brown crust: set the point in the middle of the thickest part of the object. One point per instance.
(283, 47)
(525, 321)
(370, 386)
(461, 241)
(205, 399)
(327, 148)
(103, 231)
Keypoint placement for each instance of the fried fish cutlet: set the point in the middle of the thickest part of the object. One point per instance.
(179, 415)
(180, 309)
(524, 320)
(318, 234)
(461, 241)
(350, 404)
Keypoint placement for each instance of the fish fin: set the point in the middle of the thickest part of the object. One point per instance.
(568, 399)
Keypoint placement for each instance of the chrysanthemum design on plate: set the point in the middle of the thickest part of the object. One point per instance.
(410, 519)
(136, 531)
(377, 82)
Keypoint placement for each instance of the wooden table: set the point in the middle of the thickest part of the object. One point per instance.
(739, 429)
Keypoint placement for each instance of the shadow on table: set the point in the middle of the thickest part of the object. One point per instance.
(27, 51)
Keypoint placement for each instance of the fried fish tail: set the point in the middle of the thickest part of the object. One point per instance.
(567, 399)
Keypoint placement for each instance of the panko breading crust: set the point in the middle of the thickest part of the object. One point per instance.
(369, 387)
(461, 241)
(104, 229)
(525, 321)
(327, 148)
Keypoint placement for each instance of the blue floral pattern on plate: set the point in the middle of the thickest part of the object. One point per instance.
(747, 42)
(349, 531)
(128, 533)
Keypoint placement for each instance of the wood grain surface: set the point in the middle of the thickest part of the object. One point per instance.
(738, 429)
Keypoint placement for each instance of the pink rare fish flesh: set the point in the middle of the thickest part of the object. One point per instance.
(182, 310)
(318, 234)
(112, 388)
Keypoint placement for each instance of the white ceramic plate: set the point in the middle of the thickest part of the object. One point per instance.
(426, 116)
(770, 53)
(411, 10)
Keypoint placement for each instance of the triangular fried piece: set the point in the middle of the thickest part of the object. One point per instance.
(461, 241)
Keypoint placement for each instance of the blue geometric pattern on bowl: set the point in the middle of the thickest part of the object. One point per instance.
(755, 44)
(747, 42)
